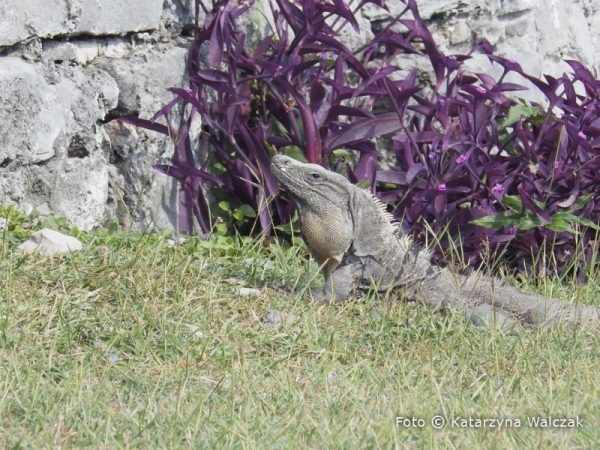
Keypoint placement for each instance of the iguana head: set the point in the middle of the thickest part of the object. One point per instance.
(311, 184)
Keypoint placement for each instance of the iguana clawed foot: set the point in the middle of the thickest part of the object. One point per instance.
(321, 296)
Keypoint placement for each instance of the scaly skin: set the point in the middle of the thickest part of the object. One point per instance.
(353, 239)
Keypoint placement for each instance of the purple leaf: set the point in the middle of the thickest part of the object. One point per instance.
(392, 176)
(165, 110)
(342, 10)
(363, 129)
(414, 171)
(377, 75)
(340, 110)
(144, 123)
(582, 73)
(529, 204)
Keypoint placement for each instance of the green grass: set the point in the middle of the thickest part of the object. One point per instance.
(133, 343)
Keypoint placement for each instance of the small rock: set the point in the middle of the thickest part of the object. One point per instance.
(112, 358)
(245, 292)
(49, 242)
(180, 240)
(274, 319)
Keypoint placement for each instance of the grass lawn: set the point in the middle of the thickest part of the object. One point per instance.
(135, 343)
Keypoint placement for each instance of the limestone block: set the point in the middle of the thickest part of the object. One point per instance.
(552, 27)
(430, 8)
(79, 52)
(116, 16)
(36, 112)
(21, 19)
(52, 114)
(493, 31)
(48, 242)
(145, 75)
(580, 36)
(503, 7)
(113, 48)
(11, 187)
(148, 196)
(80, 190)
(427, 9)
(520, 27)
(461, 32)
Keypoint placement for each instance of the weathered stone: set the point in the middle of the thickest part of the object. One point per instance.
(520, 27)
(80, 190)
(247, 292)
(503, 7)
(99, 17)
(80, 52)
(22, 19)
(461, 32)
(148, 197)
(48, 242)
(275, 319)
(494, 32)
(29, 132)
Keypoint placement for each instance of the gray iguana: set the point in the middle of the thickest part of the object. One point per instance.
(358, 246)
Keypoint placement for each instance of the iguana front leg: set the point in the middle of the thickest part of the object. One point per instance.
(340, 283)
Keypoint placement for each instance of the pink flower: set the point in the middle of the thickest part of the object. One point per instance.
(582, 135)
(461, 159)
(481, 89)
(512, 230)
(452, 57)
(441, 101)
(498, 188)
(441, 187)
(512, 61)
(431, 155)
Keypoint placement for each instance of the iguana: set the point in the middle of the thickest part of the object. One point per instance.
(358, 247)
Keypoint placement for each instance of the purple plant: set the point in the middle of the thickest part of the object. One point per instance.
(299, 90)
(518, 179)
(494, 172)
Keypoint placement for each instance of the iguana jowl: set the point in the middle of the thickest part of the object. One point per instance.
(354, 240)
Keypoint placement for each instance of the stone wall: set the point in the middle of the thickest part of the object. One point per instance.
(68, 68)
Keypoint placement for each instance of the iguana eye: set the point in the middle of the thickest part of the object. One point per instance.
(315, 175)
